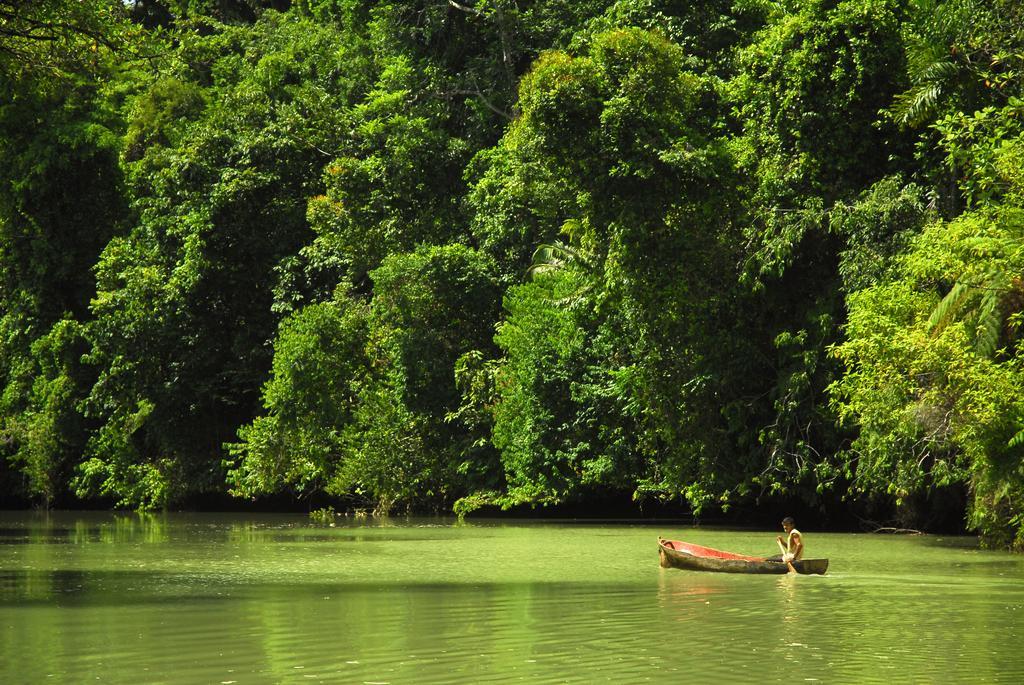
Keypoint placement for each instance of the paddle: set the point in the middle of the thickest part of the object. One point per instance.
(788, 563)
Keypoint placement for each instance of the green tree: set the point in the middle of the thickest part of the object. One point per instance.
(61, 199)
(962, 55)
(361, 395)
(394, 183)
(934, 408)
(808, 94)
(429, 309)
(610, 147)
(320, 364)
(815, 154)
(183, 310)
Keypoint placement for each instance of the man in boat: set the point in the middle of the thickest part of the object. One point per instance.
(793, 546)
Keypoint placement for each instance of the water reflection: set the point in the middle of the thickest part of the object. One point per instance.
(48, 528)
(195, 598)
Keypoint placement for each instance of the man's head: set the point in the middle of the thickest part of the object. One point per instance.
(788, 523)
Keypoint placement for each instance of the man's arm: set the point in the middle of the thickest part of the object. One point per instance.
(796, 545)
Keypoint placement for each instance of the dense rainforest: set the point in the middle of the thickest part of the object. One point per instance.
(439, 255)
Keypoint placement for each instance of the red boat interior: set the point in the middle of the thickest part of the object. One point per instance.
(708, 552)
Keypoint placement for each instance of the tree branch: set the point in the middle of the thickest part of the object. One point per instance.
(483, 98)
(464, 8)
(55, 27)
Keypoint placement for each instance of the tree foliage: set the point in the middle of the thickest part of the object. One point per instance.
(933, 370)
(417, 254)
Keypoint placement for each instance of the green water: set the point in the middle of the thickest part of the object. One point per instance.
(246, 599)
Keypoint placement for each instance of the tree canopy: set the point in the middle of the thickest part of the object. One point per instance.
(444, 255)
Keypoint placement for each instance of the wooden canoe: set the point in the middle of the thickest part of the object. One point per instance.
(676, 554)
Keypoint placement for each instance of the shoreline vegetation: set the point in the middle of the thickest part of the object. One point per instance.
(729, 260)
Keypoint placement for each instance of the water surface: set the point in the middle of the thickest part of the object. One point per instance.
(265, 599)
